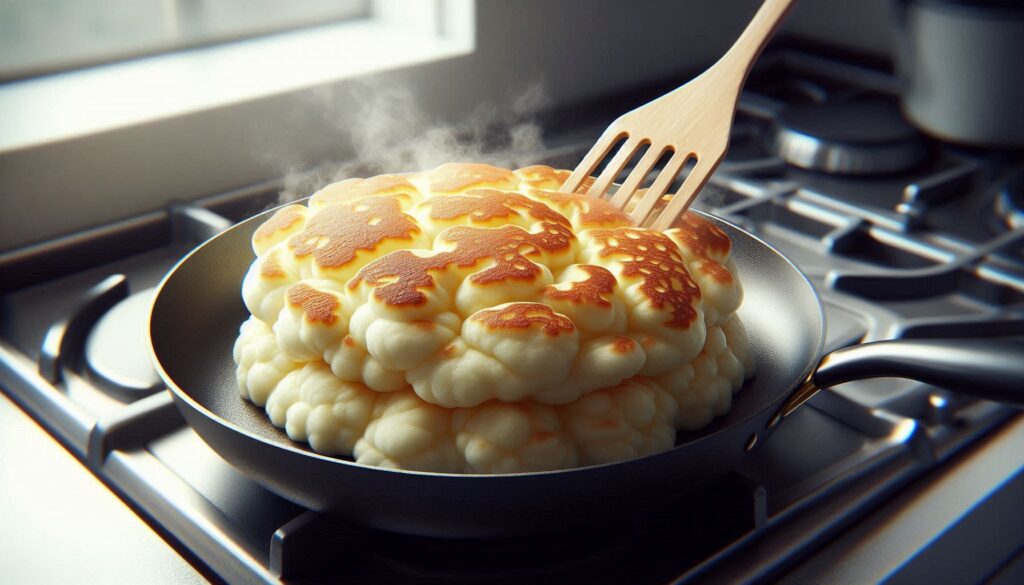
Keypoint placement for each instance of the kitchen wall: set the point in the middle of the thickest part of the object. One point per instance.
(583, 48)
(865, 25)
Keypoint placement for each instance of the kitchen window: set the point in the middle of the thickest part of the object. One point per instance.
(186, 115)
(45, 36)
(77, 102)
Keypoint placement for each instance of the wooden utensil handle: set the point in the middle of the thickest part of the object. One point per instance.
(741, 56)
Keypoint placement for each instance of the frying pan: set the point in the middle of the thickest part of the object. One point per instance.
(197, 311)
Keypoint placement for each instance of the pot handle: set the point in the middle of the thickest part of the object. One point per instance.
(992, 369)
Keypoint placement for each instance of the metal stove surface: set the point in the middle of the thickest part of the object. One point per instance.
(911, 254)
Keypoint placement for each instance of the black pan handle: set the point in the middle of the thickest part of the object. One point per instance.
(992, 369)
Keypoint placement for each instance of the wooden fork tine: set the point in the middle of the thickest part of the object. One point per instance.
(681, 200)
(593, 158)
(613, 168)
(637, 176)
(658, 188)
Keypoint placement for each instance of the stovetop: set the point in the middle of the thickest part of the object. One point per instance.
(929, 250)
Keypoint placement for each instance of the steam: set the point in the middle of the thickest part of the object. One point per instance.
(392, 134)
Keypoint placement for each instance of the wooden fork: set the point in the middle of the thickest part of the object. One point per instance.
(692, 122)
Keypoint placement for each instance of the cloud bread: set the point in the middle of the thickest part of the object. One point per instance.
(475, 319)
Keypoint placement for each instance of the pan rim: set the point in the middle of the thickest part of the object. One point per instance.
(182, 396)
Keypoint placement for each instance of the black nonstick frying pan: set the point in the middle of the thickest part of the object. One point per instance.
(198, 309)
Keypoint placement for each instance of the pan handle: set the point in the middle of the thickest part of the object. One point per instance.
(992, 369)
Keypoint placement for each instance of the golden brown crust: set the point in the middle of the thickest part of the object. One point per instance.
(282, 221)
(653, 257)
(459, 177)
(601, 212)
(595, 290)
(593, 212)
(318, 306)
(270, 267)
(398, 277)
(352, 189)
(481, 205)
(509, 246)
(542, 177)
(702, 238)
(623, 345)
(525, 316)
(716, 271)
(336, 233)
(359, 214)
(549, 179)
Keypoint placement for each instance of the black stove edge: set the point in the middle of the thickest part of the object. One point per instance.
(193, 222)
(53, 409)
(763, 555)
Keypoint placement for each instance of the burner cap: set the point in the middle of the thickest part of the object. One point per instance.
(1010, 201)
(115, 350)
(862, 137)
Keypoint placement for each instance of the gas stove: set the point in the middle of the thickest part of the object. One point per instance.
(903, 237)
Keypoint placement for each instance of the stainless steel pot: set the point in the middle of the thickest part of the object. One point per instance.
(963, 66)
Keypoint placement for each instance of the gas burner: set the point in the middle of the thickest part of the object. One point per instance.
(794, 91)
(115, 351)
(748, 154)
(1009, 203)
(861, 137)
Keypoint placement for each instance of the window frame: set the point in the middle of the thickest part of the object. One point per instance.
(128, 93)
(101, 33)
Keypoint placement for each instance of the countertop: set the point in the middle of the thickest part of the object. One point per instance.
(90, 536)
